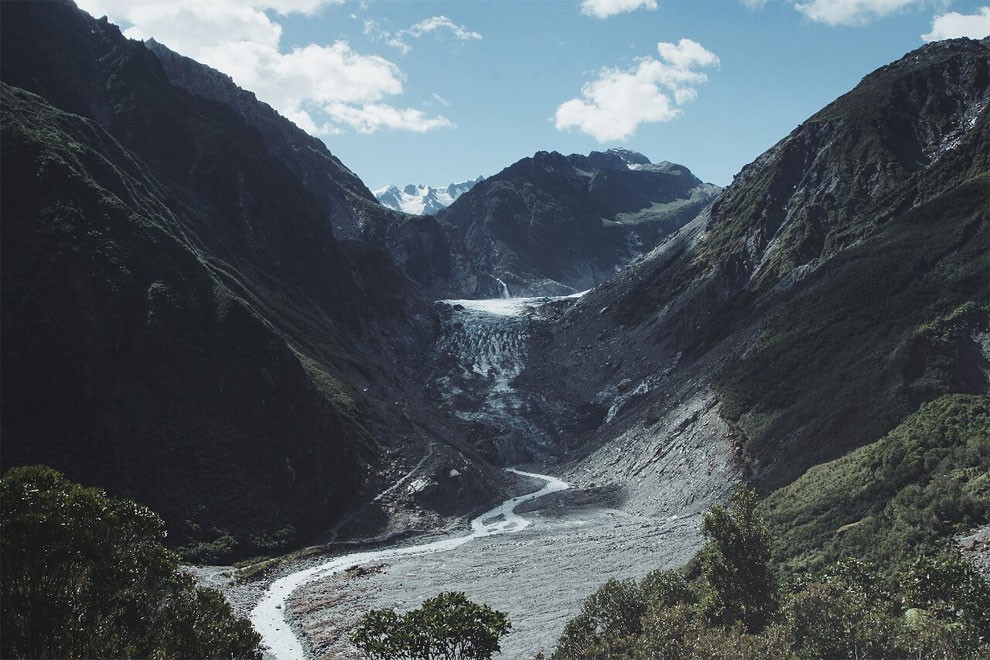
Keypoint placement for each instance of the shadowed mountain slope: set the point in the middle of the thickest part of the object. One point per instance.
(838, 283)
(554, 224)
(351, 207)
(179, 323)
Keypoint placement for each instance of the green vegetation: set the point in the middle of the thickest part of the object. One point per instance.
(83, 575)
(734, 608)
(905, 494)
(448, 626)
(846, 356)
(736, 564)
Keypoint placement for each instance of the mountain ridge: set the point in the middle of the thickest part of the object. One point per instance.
(216, 350)
(827, 228)
(552, 224)
(421, 199)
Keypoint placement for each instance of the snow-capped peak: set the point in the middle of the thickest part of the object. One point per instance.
(633, 159)
(422, 199)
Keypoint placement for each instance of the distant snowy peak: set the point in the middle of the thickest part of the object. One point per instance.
(422, 199)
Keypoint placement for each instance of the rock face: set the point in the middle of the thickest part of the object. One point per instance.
(179, 323)
(554, 224)
(422, 199)
(803, 305)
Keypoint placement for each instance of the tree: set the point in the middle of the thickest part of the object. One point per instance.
(86, 575)
(736, 563)
(609, 623)
(953, 591)
(446, 626)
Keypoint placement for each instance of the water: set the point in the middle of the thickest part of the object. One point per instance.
(503, 288)
(268, 616)
(488, 340)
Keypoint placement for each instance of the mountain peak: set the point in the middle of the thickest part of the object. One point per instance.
(629, 156)
(422, 199)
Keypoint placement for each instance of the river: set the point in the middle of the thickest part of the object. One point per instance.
(268, 616)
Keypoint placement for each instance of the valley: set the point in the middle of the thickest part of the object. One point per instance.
(543, 385)
(591, 524)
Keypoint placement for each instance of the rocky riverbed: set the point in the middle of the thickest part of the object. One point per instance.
(539, 576)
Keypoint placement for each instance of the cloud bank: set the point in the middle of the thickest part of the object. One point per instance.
(954, 24)
(324, 89)
(613, 106)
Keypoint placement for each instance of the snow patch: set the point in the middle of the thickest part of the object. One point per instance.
(421, 199)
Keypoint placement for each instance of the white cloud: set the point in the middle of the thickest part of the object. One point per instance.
(441, 100)
(754, 4)
(322, 88)
(606, 8)
(613, 106)
(851, 12)
(372, 117)
(954, 24)
(400, 39)
(443, 23)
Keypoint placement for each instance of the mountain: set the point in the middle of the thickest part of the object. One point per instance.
(837, 284)
(342, 196)
(554, 224)
(179, 323)
(422, 199)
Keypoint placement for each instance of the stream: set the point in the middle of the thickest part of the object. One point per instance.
(268, 616)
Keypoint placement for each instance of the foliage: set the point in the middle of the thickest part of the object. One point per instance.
(904, 495)
(936, 607)
(736, 563)
(950, 590)
(609, 623)
(84, 575)
(667, 589)
(842, 359)
(446, 626)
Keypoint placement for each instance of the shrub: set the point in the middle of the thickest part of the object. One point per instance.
(447, 626)
(608, 625)
(666, 589)
(85, 575)
(736, 564)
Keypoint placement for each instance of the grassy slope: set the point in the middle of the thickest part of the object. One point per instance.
(903, 495)
(840, 363)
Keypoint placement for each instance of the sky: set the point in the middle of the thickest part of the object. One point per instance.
(442, 91)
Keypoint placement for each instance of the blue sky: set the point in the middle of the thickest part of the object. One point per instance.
(438, 91)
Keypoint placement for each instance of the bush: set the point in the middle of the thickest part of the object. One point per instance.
(85, 575)
(736, 564)
(834, 619)
(608, 625)
(666, 589)
(951, 590)
(447, 626)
